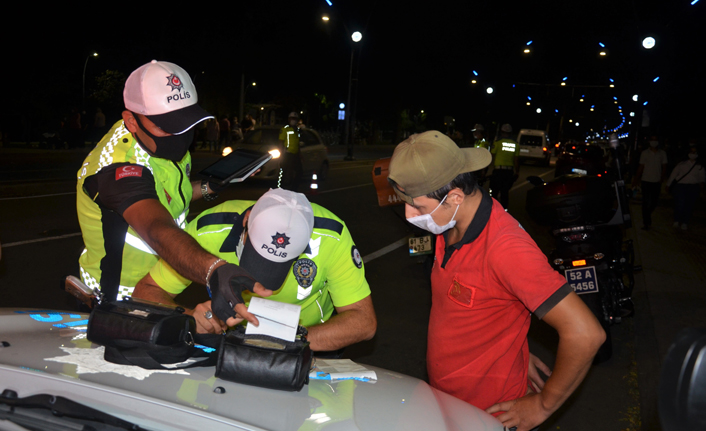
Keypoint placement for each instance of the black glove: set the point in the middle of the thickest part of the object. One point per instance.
(226, 285)
(216, 187)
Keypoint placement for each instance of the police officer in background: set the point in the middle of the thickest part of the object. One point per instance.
(290, 172)
(133, 195)
(479, 136)
(506, 166)
(480, 142)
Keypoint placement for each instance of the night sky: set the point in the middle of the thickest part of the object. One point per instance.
(411, 57)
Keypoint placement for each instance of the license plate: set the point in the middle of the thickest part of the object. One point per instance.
(582, 280)
(580, 171)
(420, 245)
(522, 150)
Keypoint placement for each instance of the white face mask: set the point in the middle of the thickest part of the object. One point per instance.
(693, 156)
(427, 223)
(654, 144)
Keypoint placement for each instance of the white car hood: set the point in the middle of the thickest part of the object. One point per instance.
(46, 352)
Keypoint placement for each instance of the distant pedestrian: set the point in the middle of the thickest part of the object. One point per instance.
(651, 173)
(225, 137)
(212, 134)
(75, 130)
(689, 178)
(248, 124)
(99, 128)
(237, 134)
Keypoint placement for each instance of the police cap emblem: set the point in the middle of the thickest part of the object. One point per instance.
(280, 240)
(174, 82)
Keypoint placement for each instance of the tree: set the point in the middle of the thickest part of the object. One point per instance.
(108, 90)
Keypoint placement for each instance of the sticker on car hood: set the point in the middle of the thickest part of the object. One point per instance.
(90, 361)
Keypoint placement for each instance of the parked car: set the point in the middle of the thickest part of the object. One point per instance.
(312, 151)
(51, 375)
(582, 159)
(534, 145)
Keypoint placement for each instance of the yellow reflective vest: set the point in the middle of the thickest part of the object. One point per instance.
(115, 258)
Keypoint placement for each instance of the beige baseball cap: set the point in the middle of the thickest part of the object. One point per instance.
(426, 162)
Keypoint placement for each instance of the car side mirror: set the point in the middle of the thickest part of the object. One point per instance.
(535, 181)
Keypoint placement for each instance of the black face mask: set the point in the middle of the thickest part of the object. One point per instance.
(173, 147)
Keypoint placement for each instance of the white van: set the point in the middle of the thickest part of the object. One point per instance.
(534, 145)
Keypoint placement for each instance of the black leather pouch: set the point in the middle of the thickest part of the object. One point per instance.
(141, 333)
(264, 361)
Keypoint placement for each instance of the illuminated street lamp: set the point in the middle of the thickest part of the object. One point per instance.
(648, 42)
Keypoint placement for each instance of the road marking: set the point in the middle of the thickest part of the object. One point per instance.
(32, 241)
(383, 251)
(368, 166)
(37, 196)
(344, 188)
(527, 182)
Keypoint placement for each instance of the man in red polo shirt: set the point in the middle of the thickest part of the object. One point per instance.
(488, 277)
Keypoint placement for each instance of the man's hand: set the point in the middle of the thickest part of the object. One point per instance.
(580, 336)
(227, 284)
(524, 413)
(535, 366)
(206, 324)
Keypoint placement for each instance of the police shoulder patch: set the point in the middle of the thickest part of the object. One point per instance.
(357, 260)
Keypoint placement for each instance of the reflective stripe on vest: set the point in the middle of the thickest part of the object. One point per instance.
(509, 146)
(140, 244)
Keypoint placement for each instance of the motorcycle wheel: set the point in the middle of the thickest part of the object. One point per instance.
(594, 303)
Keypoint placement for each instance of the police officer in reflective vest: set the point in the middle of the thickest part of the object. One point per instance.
(134, 191)
(479, 136)
(506, 166)
(290, 173)
(480, 142)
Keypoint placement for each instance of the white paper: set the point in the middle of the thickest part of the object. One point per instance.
(341, 369)
(277, 319)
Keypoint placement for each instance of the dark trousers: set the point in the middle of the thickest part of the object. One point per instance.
(291, 166)
(650, 199)
(501, 181)
(685, 197)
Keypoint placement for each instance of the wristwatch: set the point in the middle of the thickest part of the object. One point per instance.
(205, 194)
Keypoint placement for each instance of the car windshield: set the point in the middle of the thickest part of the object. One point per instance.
(534, 141)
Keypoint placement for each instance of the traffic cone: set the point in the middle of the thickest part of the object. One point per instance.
(314, 187)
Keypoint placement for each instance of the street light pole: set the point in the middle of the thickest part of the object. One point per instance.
(243, 91)
(356, 37)
(83, 100)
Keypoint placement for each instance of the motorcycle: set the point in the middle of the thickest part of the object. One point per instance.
(587, 216)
